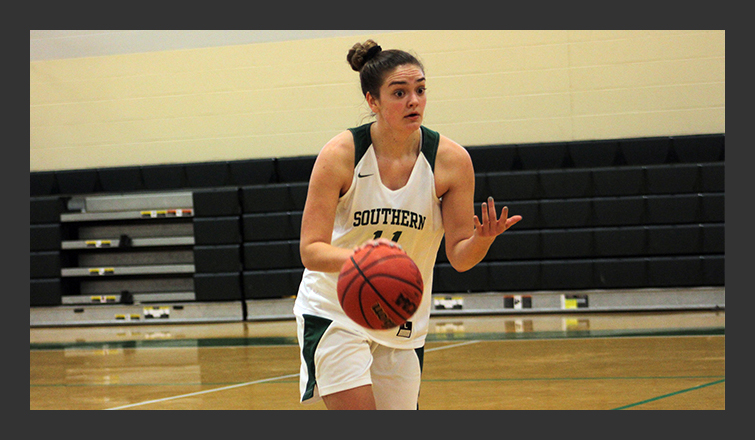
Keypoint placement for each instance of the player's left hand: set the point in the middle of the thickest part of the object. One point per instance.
(491, 225)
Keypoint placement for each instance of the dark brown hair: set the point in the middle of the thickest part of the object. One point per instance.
(372, 63)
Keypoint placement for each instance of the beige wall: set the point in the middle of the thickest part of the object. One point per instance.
(289, 98)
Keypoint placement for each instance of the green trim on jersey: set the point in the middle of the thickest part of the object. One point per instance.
(363, 140)
(314, 328)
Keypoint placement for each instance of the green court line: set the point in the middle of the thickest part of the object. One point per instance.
(671, 394)
(432, 337)
(577, 334)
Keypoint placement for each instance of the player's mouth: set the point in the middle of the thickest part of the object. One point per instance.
(413, 116)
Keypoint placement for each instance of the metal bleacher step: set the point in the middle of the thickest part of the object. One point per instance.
(135, 242)
(136, 298)
(127, 270)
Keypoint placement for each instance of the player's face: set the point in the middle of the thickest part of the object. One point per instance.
(402, 98)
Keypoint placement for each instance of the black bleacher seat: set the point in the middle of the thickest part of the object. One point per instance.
(45, 292)
(217, 258)
(266, 198)
(217, 230)
(272, 255)
(216, 202)
(271, 226)
(567, 243)
(514, 276)
(447, 280)
(618, 211)
(268, 284)
(43, 183)
(565, 183)
(278, 197)
(673, 209)
(672, 179)
(565, 213)
(593, 154)
(620, 241)
(515, 185)
(45, 237)
(674, 240)
(481, 188)
(646, 151)
(713, 207)
(544, 156)
(45, 209)
(252, 171)
(207, 174)
(712, 177)
(217, 286)
(121, 179)
(85, 181)
(164, 177)
(714, 238)
(298, 195)
(294, 169)
(497, 158)
(441, 257)
(714, 270)
(618, 181)
(617, 273)
(516, 245)
(699, 148)
(566, 274)
(44, 264)
(528, 209)
(674, 271)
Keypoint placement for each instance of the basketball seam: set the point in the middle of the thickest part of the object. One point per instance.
(374, 289)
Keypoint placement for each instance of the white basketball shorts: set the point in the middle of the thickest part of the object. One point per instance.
(335, 358)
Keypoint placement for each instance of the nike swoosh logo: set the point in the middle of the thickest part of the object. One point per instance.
(360, 175)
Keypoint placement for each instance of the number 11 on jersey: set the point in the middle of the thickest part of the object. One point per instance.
(396, 235)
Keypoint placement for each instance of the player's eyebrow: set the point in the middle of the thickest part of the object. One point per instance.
(401, 82)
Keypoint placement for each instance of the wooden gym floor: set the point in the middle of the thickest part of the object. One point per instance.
(633, 361)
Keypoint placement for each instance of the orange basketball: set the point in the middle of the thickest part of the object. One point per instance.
(380, 287)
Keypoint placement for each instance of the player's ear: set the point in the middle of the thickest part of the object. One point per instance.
(372, 102)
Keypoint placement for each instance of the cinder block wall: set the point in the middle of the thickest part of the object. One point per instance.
(284, 99)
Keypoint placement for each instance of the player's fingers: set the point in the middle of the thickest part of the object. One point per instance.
(485, 217)
(491, 210)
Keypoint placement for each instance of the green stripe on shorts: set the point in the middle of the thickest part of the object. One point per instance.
(314, 328)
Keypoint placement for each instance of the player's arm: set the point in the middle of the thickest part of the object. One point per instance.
(331, 177)
(467, 237)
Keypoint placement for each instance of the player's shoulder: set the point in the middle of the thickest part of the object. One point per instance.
(340, 146)
(451, 152)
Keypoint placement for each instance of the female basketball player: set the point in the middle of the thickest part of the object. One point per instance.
(366, 182)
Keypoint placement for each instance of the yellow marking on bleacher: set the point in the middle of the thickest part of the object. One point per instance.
(97, 243)
(101, 271)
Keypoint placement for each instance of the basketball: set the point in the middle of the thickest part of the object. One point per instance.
(379, 286)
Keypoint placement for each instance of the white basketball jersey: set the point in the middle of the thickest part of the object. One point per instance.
(410, 216)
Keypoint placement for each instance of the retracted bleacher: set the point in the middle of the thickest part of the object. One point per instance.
(633, 224)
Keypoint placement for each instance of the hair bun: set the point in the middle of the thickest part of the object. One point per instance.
(361, 53)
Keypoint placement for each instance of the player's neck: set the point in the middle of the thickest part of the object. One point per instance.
(393, 143)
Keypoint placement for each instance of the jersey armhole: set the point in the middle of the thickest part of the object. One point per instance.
(362, 141)
(430, 141)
